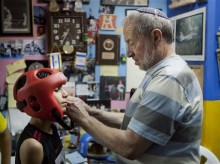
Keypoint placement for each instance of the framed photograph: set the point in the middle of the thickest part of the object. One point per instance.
(128, 11)
(107, 49)
(112, 87)
(16, 18)
(93, 90)
(189, 34)
(125, 2)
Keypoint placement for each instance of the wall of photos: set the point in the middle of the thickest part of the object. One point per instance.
(34, 49)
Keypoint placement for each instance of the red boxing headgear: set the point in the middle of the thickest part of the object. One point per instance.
(33, 92)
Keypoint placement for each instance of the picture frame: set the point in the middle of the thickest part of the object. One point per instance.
(107, 49)
(113, 88)
(128, 11)
(14, 20)
(93, 90)
(125, 2)
(83, 1)
(189, 34)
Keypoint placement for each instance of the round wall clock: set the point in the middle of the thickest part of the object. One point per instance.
(65, 31)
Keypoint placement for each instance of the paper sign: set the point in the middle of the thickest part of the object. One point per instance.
(108, 70)
(15, 66)
(11, 79)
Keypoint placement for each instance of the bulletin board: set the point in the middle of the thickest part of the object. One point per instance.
(199, 71)
(134, 75)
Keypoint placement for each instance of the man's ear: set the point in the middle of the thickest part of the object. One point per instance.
(156, 35)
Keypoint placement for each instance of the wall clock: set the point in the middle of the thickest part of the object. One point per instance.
(66, 31)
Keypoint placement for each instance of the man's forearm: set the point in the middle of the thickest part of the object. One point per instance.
(112, 119)
(107, 135)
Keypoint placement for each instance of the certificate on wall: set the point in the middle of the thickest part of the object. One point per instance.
(107, 49)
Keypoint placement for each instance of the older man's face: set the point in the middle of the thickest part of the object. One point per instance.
(139, 49)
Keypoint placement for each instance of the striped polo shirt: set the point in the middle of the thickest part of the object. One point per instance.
(167, 109)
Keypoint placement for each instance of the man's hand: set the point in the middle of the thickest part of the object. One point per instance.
(77, 110)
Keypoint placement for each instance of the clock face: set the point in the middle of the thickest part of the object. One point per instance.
(66, 29)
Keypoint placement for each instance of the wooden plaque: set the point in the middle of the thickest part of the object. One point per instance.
(107, 49)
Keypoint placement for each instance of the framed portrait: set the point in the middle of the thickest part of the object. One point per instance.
(16, 18)
(107, 49)
(189, 34)
(125, 2)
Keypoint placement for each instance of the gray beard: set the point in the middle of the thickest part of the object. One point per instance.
(148, 61)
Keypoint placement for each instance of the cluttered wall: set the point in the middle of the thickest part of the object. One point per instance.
(28, 40)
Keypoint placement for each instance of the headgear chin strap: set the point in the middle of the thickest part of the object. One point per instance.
(61, 122)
